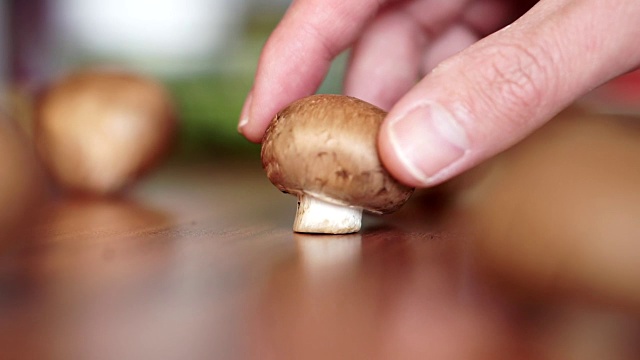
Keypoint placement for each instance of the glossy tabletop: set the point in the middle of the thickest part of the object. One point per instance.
(200, 262)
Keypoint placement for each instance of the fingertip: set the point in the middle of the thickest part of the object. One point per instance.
(423, 146)
(388, 153)
(252, 132)
(247, 124)
(255, 116)
(244, 114)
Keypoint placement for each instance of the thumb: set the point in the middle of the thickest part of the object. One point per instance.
(488, 97)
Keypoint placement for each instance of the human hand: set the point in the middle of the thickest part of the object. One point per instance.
(476, 103)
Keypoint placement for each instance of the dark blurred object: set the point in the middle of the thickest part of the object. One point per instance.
(28, 53)
(618, 96)
(559, 213)
(99, 130)
(21, 184)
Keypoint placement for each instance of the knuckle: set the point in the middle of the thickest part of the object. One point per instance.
(316, 36)
(515, 80)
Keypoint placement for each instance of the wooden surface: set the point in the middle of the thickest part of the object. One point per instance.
(199, 262)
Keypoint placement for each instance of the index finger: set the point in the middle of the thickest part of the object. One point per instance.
(298, 54)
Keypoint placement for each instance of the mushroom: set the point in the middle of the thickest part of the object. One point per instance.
(98, 130)
(322, 149)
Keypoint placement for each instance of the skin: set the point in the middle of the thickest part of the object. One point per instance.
(485, 89)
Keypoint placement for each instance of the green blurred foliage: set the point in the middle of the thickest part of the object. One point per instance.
(209, 109)
(210, 104)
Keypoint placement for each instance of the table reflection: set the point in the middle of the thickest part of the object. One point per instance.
(379, 294)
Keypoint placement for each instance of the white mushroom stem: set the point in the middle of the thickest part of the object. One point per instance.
(318, 216)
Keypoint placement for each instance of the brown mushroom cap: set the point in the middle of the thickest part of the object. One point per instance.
(325, 146)
(98, 130)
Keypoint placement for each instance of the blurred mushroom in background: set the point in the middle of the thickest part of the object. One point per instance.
(99, 130)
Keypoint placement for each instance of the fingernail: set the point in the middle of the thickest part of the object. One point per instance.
(244, 114)
(428, 141)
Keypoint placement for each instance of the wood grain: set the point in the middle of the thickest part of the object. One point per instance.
(199, 262)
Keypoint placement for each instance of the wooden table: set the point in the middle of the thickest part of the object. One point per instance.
(199, 262)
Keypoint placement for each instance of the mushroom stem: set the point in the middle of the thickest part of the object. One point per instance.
(318, 216)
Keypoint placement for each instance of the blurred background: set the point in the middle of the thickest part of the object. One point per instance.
(200, 243)
(205, 51)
